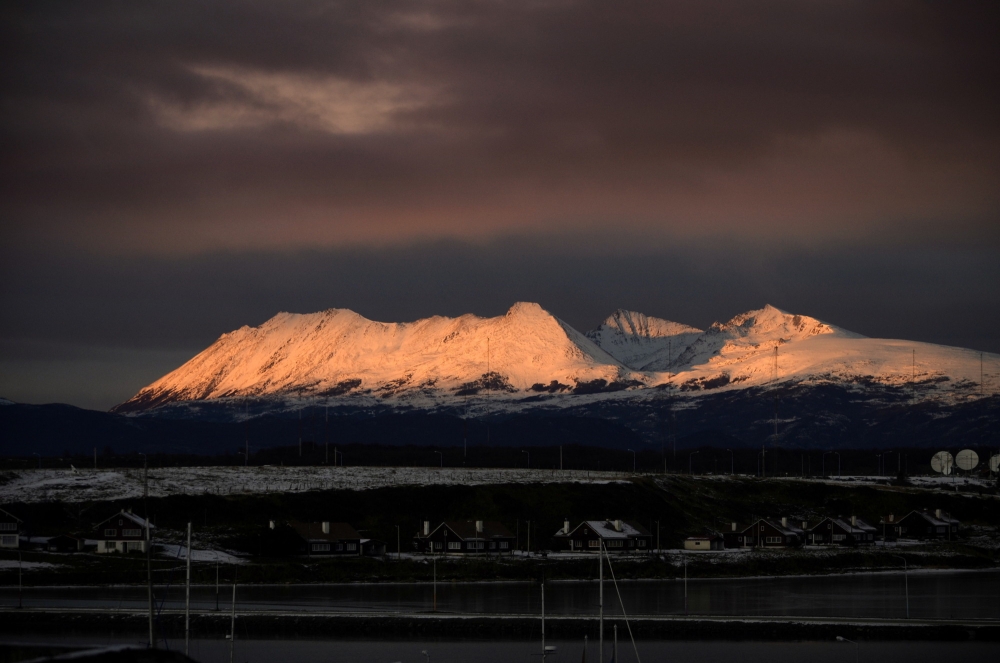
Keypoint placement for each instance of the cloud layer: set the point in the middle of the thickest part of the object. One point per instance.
(180, 127)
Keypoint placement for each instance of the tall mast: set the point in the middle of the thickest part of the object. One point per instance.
(600, 602)
(187, 598)
(149, 550)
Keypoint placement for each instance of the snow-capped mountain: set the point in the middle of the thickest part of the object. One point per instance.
(529, 358)
(641, 342)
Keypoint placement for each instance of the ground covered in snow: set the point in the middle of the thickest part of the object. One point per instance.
(51, 485)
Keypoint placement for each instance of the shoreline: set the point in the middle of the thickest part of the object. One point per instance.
(995, 569)
(332, 625)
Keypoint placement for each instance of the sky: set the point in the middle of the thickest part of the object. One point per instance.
(174, 170)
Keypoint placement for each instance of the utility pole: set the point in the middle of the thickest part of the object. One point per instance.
(300, 433)
(326, 433)
(232, 622)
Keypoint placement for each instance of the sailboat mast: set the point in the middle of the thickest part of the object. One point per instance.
(600, 602)
(187, 597)
(543, 621)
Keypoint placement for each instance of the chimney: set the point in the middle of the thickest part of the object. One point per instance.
(892, 518)
(734, 527)
(937, 513)
(427, 528)
(479, 527)
(326, 527)
(566, 527)
(784, 522)
(805, 524)
(618, 525)
(854, 521)
(271, 524)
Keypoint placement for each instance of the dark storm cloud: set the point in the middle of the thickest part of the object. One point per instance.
(185, 126)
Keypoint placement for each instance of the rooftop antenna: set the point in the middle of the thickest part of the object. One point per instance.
(326, 430)
(246, 429)
(300, 432)
(913, 377)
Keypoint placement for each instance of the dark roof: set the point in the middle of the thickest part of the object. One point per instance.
(11, 515)
(314, 531)
(466, 529)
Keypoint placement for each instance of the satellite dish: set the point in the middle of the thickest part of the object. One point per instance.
(942, 462)
(995, 463)
(967, 459)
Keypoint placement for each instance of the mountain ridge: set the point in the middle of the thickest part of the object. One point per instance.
(529, 358)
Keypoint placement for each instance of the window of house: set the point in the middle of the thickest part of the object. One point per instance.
(774, 539)
(9, 540)
(839, 537)
(131, 532)
(615, 543)
(454, 545)
(321, 547)
(503, 545)
(641, 543)
(437, 545)
(8, 527)
(593, 543)
(352, 546)
(493, 545)
(110, 532)
(339, 547)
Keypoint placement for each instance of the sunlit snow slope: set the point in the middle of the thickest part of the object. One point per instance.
(338, 354)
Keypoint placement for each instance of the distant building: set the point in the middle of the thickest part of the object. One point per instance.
(124, 532)
(766, 533)
(618, 536)
(10, 530)
(464, 537)
(842, 532)
(705, 542)
(926, 525)
(328, 538)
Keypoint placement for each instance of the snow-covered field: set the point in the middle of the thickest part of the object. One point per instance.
(90, 485)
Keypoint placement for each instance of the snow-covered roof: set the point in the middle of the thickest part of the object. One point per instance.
(128, 515)
(859, 526)
(605, 529)
(932, 518)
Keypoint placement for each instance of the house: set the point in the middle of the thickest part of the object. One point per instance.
(843, 532)
(705, 542)
(766, 533)
(468, 537)
(10, 530)
(617, 536)
(122, 532)
(926, 525)
(327, 538)
(373, 548)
